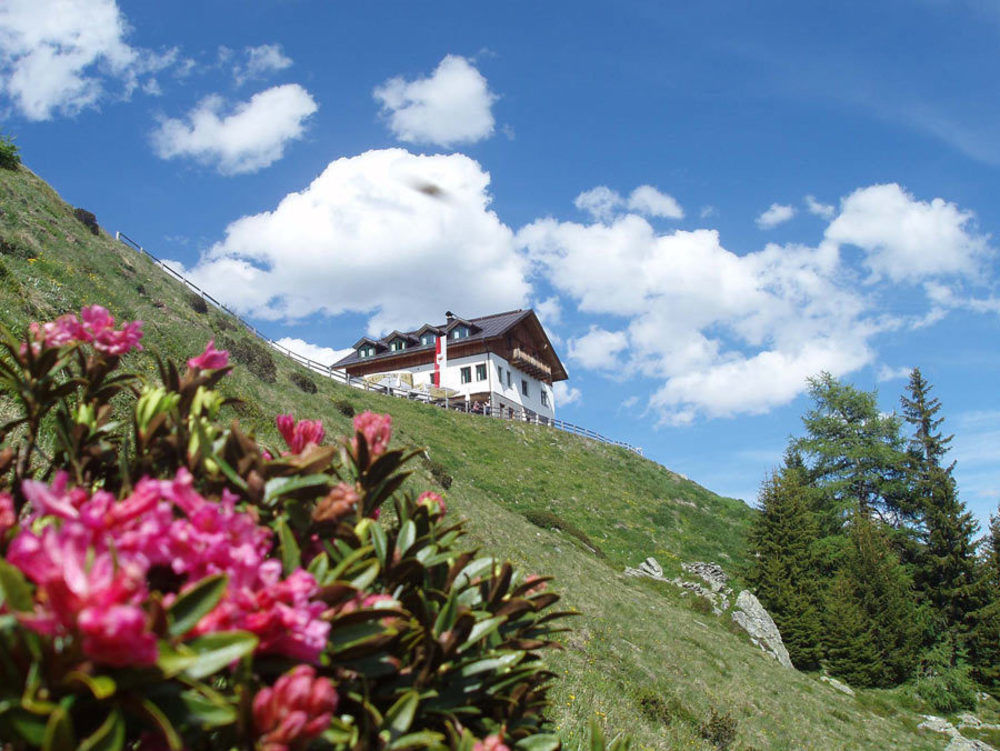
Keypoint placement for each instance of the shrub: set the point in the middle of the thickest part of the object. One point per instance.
(196, 302)
(441, 477)
(254, 355)
(719, 730)
(14, 250)
(303, 382)
(952, 690)
(344, 407)
(10, 157)
(88, 219)
(548, 520)
(198, 589)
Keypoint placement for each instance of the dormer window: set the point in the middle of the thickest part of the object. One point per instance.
(366, 351)
(459, 332)
(397, 345)
(427, 339)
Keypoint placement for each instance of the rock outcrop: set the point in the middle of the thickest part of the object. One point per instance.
(838, 685)
(748, 613)
(958, 741)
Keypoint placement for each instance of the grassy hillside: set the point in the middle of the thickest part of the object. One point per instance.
(641, 657)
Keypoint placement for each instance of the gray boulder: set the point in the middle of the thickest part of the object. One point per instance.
(751, 616)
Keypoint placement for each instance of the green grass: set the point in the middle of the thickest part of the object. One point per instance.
(641, 658)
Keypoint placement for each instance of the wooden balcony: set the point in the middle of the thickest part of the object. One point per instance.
(530, 365)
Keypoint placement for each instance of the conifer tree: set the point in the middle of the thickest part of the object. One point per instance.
(872, 623)
(984, 640)
(945, 564)
(855, 454)
(782, 569)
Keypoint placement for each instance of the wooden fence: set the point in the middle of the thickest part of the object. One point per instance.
(493, 410)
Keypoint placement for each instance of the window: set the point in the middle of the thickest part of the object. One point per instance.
(426, 339)
(500, 375)
(481, 372)
(545, 398)
(459, 332)
(524, 387)
(466, 374)
(397, 345)
(366, 351)
(508, 379)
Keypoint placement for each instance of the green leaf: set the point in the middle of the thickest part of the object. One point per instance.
(539, 742)
(206, 712)
(400, 715)
(279, 486)
(174, 742)
(216, 651)
(446, 618)
(15, 589)
(191, 606)
(59, 734)
(100, 686)
(482, 628)
(380, 543)
(366, 577)
(420, 739)
(291, 556)
(30, 727)
(407, 534)
(110, 736)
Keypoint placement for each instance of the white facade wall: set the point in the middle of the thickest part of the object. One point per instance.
(508, 396)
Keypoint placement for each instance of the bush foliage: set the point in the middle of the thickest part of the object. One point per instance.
(10, 157)
(88, 220)
(168, 582)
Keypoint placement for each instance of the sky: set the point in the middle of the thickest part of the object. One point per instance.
(706, 203)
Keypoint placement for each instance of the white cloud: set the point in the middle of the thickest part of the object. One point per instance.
(252, 136)
(565, 394)
(260, 61)
(598, 349)
(322, 355)
(604, 204)
(905, 239)
(549, 311)
(648, 201)
(708, 212)
(824, 210)
(451, 106)
(56, 55)
(396, 236)
(888, 373)
(775, 215)
(601, 202)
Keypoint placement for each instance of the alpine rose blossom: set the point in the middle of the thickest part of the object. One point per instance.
(295, 710)
(377, 432)
(210, 359)
(433, 501)
(8, 517)
(338, 503)
(299, 435)
(94, 326)
(491, 743)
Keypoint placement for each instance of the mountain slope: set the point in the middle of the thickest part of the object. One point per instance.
(641, 658)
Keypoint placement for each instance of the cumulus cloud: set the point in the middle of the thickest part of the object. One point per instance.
(451, 106)
(905, 239)
(56, 55)
(247, 139)
(565, 394)
(604, 204)
(824, 210)
(775, 215)
(314, 352)
(598, 349)
(260, 61)
(396, 236)
(889, 373)
(549, 311)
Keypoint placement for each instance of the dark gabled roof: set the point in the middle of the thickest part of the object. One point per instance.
(427, 327)
(404, 335)
(485, 327)
(365, 340)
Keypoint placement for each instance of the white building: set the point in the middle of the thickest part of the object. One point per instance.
(501, 361)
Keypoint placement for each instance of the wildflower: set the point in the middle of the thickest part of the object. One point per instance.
(210, 359)
(295, 710)
(492, 742)
(339, 502)
(8, 517)
(433, 501)
(300, 435)
(376, 430)
(99, 327)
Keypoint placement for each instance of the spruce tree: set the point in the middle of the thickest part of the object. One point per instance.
(984, 639)
(855, 454)
(872, 624)
(782, 570)
(945, 563)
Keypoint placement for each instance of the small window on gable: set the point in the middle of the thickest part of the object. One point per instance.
(466, 374)
(500, 374)
(397, 345)
(366, 351)
(426, 339)
(508, 379)
(545, 398)
(481, 372)
(524, 387)
(460, 332)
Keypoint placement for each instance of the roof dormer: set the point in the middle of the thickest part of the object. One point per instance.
(426, 334)
(366, 347)
(459, 328)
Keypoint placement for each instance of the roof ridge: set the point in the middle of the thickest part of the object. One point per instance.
(497, 315)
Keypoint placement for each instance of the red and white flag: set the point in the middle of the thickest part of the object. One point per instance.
(440, 358)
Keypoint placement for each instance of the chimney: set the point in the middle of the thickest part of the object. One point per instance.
(449, 315)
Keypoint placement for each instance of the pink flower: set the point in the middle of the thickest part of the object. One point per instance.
(210, 359)
(433, 501)
(8, 517)
(376, 430)
(117, 635)
(295, 710)
(299, 436)
(491, 743)
(99, 326)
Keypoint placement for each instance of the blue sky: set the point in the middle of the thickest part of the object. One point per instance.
(708, 202)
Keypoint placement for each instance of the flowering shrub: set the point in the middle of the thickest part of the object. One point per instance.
(167, 582)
